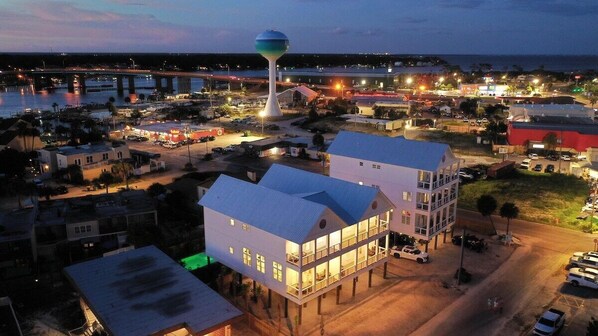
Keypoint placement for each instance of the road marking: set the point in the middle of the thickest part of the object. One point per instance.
(570, 301)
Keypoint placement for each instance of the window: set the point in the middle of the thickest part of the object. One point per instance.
(375, 166)
(407, 196)
(78, 162)
(245, 227)
(119, 155)
(360, 182)
(89, 159)
(361, 164)
(232, 222)
(77, 229)
(405, 217)
(88, 227)
(231, 250)
(247, 256)
(277, 271)
(260, 263)
(105, 156)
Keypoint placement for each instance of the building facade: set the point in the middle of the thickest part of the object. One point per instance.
(420, 178)
(92, 158)
(298, 233)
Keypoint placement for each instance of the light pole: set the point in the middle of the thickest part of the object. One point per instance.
(339, 86)
(132, 60)
(262, 115)
(228, 70)
(187, 131)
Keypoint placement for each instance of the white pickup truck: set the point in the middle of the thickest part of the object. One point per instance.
(550, 323)
(410, 252)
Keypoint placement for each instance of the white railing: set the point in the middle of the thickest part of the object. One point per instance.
(361, 236)
(321, 253)
(348, 242)
(309, 258)
(293, 290)
(334, 248)
(293, 258)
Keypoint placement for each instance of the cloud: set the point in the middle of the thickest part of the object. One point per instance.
(461, 4)
(339, 31)
(413, 20)
(556, 7)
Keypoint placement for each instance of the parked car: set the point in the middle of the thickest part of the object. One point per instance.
(465, 175)
(583, 261)
(565, 157)
(549, 168)
(158, 142)
(589, 270)
(170, 145)
(533, 156)
(471, 242)
(550, 323)
(552, 157)
(218, 150)
(538, 167)
(211, 138)
(525, 164)
(60, 190)
(577, 278)
(230, 148)
(132, 137)
(581, 157)
(583, 254)
(410, 252)
(203, 139)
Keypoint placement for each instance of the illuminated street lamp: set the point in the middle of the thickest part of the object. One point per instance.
(339, 86)
(262, 114)
(409, 80)
(441, 79)
(132, 60)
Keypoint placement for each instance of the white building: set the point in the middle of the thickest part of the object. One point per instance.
(523, 112)
(420, 178)
(298, 233)
(93, 158)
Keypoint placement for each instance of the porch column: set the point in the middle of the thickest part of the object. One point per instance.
(435, 242)
(355, 279)
(385, 269)
(119, 85)
(299, 313)
(286, 307)
(427, 242)
(444, 237)
(370, 272)
(319, 304)
(338, 293)
(269, 298)
(453, 232)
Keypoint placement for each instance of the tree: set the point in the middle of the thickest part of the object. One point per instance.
(550, 140)
(89, 124)
(486, 206)
(112, 100)
(61, 130)
(55, 107)
(18, 186)
(318, 140)
(156, 189)
(106, 178)
(124, 170)
(509, 210)
(313, 115)
(113, 112)
(13, 162)
(75, 173)
(141, 96)
(593, 100)
(128, 100)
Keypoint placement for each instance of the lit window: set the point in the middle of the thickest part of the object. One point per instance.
(247, 256)
(76, 229)
(405, 217)
(407, 196)
(231, 250)
(232, 222)
(277, 271)
(245, 227)
(260, 263)
(360, 183)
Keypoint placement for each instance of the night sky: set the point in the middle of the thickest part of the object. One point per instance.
(565, 27)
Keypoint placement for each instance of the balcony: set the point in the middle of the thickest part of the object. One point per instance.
(347, 270)
(348, 242)
(334, 248)
(308, 257)
(423, 185)
(383, 226)
(362, 235)
(374, 231)
(361, 264)
(293, 258)
(321, 253)
(293, 289)
(422, 206)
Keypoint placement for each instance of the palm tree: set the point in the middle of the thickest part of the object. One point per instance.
(509, 210)
(141, 96)
(113, 112)
(550, 140)
(106, 178)
(592, 100)
(486, 205)
(124, 170)
(128, 100)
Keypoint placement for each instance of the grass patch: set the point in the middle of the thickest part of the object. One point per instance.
(461, 143)
(554, 199)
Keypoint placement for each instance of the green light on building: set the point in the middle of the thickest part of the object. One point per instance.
(197, 261)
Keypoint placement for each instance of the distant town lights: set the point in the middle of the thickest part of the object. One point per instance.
(409, 80)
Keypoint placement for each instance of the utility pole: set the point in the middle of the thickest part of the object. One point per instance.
(461, 258)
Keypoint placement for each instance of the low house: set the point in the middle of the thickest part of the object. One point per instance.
(19, 135)
(321, 232)
(297, 96)
(92, 158)
(144, 292)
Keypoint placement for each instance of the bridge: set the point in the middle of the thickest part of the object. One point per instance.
(41, 79)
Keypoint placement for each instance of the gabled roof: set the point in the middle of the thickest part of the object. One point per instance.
(7, 137)
(280, 214)
(428, 156)
(348, 200)
(289, 202)
(143, 291)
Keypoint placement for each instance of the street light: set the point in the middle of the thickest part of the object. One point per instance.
(187, 131)
(409, 80)
(132, 60)
(262, 115)
(228, 70)
(339, 86)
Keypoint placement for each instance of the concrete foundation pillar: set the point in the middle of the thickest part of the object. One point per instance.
(82, 84)
(338, 293)
(119, 85)
(183, 85)
(370, 278)
(385, 269)
(299, 313)
(169, 85)
(427, 243)
(70, 83)
(436, 242)
(444, 237)
(131, 84)
(158, 83)
(319, 304)
(452, 232)
(38, 83)
(286, 307)
(269, 298)
(355, 279)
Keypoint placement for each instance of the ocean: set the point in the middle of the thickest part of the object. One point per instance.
(557, 63)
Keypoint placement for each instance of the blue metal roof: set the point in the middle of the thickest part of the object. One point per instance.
(422, 155)
(143, 292)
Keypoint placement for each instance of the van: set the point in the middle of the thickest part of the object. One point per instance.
(525, 164)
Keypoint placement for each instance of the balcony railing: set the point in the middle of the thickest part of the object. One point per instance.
(362, 235)
(293, 258)
(321, 253)
(334, 248)
(309, 258)
(321, 284)
(347, 270)
(423, 185)
(422, 206)
(334, 278)
(422, 231)
(293, 290)
(383, 226)
(361, 264)
(373, 231)
(348, 242)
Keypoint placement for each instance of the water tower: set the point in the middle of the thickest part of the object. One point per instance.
(272, 44)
